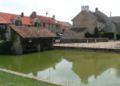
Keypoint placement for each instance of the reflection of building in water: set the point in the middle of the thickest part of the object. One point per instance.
(106, 78)
(76, 70)
(86, 67)
(62, 74)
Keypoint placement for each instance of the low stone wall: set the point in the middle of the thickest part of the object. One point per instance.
(88, 49)
(85, 40)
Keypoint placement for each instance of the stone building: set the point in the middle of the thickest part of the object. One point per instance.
(87, 21)
(34, 33)
(31, 39)
(116, 21)
(51, 23)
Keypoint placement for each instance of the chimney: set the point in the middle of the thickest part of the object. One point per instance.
(96, 9)
(53, 17)
(22, 14)
(33, 15)
(85, 8)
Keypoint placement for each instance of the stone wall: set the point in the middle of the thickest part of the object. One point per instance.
(8, 34)
(17, 47)
(85, 20)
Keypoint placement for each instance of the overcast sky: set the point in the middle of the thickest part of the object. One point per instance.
(64, 10)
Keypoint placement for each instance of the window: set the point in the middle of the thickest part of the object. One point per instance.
(2, 26)
(36, 24)
(2, 32)
(18, 23)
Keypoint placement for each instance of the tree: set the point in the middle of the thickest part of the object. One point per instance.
(96, 32)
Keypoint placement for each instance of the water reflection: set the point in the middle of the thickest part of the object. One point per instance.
(71, 68)
(107, 78)
(62, 73)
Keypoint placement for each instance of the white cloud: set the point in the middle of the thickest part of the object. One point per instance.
(63, 9)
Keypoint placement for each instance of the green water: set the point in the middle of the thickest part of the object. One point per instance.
(70, 68)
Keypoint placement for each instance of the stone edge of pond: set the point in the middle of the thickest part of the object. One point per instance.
(26, 76)
(109, 50)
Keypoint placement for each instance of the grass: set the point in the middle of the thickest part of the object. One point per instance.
(7, 79)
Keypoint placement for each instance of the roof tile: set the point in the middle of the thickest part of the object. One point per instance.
(48, 20)
(9, 17)
(32, 32)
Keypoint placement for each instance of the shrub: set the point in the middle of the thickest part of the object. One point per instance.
(109, 35)
(5, 47)
(87, 34)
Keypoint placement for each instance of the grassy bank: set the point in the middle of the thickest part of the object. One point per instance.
(7, 79)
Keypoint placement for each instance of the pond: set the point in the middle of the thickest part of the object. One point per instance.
(67, 67)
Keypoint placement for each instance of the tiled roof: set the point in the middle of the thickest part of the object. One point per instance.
(64, 25)
(32, 32)
(26, 20)
(6, 18)
(48, 20)
(2, 20)
(9, 17)
(102, 17)
(115, 19)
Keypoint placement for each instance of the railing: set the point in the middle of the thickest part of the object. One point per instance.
(78, 40)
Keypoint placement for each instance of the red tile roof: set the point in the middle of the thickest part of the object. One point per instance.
(26, 20)
(32, 32)
(2, 20)
(48, 20)
(6, 18)
(9, 17)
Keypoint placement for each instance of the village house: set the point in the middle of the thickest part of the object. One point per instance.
(116, 20)
(86, 21)
(31, 39)
(34, 33)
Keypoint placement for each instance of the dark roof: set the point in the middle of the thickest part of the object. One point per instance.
(64, 25)
(102, 17)
(98, 14)
(115, 19)
(32, 32)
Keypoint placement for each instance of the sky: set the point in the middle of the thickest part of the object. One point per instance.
(64, 10)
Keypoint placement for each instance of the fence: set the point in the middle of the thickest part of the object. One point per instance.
(85, 40)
